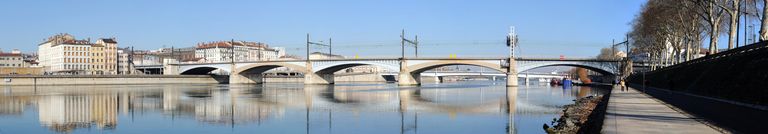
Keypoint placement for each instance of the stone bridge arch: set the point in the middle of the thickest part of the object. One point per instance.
(412, 74)
(329, 67)
(252, 73)
(203, 69)
(603, 67)
(421, 67)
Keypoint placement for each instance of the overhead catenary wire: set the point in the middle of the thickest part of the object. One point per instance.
(341, 45)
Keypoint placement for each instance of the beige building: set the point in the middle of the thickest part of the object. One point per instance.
(63, 54)
(11, 60)
(98, 65)
(225, 51)
(110, 54)
(14, 64)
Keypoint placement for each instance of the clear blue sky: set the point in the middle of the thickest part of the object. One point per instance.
(365, 28)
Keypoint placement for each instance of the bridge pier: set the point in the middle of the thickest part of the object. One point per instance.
(408, 79)
(318, 79)
(512, 73)
(246, 79)
(527, 79)
(170, 67)
(312, 78)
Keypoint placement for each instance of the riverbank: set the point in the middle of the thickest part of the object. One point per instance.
(30, 80)
(584, 116)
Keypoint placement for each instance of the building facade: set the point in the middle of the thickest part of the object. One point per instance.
(11, 60)
(110, 54)
(16, 63)
(237, 51)
(125, 62)
(98, 60)
(63, 54)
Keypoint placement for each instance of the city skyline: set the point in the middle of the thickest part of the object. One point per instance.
(357, 28)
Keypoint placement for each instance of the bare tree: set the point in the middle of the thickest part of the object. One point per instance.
(734, 13)
(713, 15)
(764, 23)
(608, 53)
(665, 29)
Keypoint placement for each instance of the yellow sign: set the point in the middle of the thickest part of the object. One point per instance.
(452, 56)
(357, 57)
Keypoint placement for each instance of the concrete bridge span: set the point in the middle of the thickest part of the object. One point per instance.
(409, 70)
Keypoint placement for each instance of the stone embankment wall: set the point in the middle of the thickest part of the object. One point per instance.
(363, 77)
(739, 75)
(109, 79)
(13, 80)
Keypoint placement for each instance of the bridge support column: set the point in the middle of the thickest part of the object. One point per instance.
(512, 73)
(318, 79)
(312, 78)
(246, 79)
(405, 77)
(527, 79)
(170, 68)
(408, 79)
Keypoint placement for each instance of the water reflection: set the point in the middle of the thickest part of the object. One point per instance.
(470, 107)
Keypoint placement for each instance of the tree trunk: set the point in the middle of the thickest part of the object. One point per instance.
(734, 24)
(687, 49)
(764, 23)
(713, 38)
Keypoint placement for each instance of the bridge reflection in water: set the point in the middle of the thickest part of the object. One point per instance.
(462, 107)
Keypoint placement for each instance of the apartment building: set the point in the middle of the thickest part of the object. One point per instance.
(63, 54)
(237, 51)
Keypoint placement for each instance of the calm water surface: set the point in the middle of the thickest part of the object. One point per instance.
(457, 107)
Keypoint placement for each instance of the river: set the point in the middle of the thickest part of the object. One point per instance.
(370, 108)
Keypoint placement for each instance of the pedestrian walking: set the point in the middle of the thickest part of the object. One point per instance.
(623, 87)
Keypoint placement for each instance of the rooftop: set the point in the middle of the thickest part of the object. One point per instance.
(10, 54)
(109, 40)
(229, 44)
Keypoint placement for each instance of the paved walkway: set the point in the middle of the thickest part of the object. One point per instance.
(633, 112)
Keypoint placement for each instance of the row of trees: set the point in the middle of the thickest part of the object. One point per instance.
(673, 31)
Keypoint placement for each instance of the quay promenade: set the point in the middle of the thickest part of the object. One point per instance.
(633, 112)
